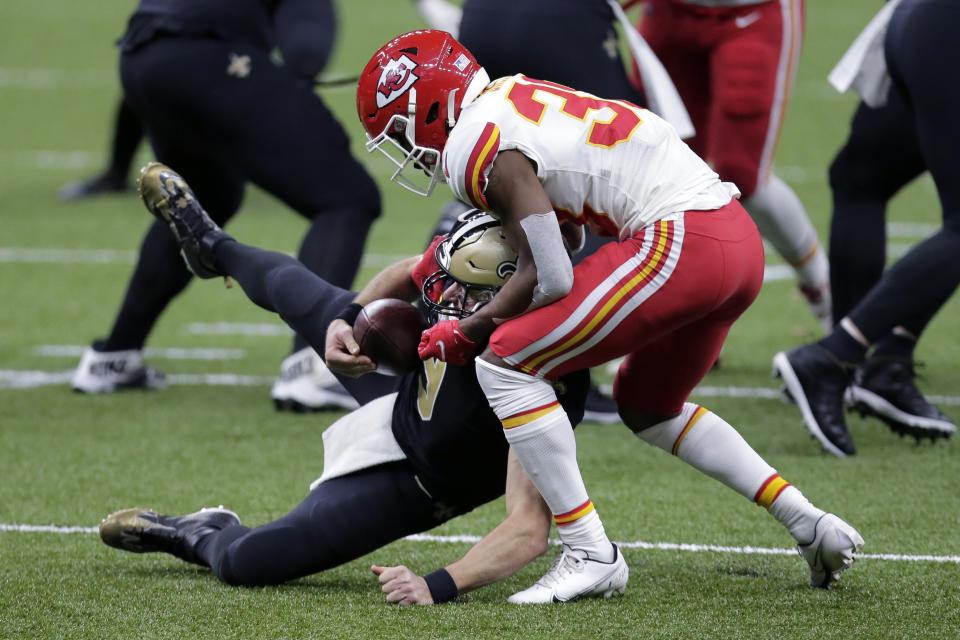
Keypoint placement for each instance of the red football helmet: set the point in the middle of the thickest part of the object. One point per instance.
(409, 97)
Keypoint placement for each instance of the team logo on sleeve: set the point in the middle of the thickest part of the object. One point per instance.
(396, 77)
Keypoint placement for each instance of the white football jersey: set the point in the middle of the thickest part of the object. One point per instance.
(605, 163)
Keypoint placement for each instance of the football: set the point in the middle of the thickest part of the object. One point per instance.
(388, 331)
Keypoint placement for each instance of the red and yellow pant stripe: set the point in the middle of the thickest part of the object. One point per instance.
(606, 305)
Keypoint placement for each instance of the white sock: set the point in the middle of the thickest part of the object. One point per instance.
(784, 223)
(708, 443)
(792, 509)
(539, 431)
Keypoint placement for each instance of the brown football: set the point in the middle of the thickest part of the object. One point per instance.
(388, 331)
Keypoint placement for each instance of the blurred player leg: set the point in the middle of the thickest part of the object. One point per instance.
(753, 72)
(158, 277)
(321, 180)
(870, 168)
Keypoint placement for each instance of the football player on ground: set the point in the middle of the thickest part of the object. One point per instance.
(688, 262)
(423, 448)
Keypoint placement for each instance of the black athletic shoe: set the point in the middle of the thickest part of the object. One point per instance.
(95, 186)
(816, 381)
(144, 530)
(168, 197)
(600, 407)
(884, 388)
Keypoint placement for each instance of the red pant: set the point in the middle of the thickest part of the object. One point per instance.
(734, 68)
(665, 298)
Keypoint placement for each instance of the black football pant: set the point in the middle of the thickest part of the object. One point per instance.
(221, 130)
(304, 300)
(922, 52)
(341, 520)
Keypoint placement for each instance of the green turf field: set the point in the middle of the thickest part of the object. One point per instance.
(705, 562)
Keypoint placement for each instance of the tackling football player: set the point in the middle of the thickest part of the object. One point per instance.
(688, 262)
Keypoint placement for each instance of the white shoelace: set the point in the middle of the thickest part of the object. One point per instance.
(566, 564)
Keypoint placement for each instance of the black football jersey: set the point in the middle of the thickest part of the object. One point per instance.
(443, 423)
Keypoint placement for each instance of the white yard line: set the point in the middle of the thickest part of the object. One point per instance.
(635, 544)
(27, 379)
(39, 78)
(42, 255)
(169, 353)
(23, 379)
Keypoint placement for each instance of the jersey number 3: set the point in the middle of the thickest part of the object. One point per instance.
(606, 133)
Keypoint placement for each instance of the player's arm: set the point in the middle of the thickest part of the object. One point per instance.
(544, 272)
(520, 538)
(393, 282)
(305, 31)
(341, 351)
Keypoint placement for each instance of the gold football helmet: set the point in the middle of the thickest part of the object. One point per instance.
(476, 255)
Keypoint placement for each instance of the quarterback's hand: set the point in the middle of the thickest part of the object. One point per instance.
(445, 341)
(402, 586)
(342, 352)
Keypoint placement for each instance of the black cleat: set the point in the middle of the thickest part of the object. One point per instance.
(816, 381)
(95, 186)
(144, 530)
(884, 388)
(168, 197)
(600, 407)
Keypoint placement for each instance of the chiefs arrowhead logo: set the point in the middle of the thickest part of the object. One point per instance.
(396, 77)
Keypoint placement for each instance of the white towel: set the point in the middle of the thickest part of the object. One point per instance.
(361, 439)
(863, 67)
(662, 95)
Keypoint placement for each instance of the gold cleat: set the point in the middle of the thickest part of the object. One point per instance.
(144, 530)
(169, 198)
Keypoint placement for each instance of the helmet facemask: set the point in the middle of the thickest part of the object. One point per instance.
(409, 97)
(398, 143)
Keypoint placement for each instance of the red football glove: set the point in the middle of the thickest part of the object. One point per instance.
(444, 341)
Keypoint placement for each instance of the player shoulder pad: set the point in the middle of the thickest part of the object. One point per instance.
(468, 158)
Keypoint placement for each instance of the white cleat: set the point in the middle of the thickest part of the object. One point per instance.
(306, 384)
(832, 550)
(574, 576)
(108, 371)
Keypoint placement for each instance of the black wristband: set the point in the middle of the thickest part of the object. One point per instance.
(349, 313)
(441, 585)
